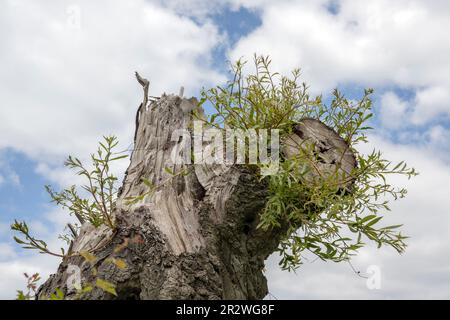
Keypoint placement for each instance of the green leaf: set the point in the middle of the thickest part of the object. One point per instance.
(18, 240)
(21, 296)
(147, 182)
(87, 289)
(367, 218)
(374, 221)
(89, 257)
(392, 227)
(119, 263)
(106, 286)
(118, 158)
(169, 171)
(58, 295)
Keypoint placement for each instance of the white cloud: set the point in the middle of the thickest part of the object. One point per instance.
(426, 105)
(7, 172)
(63, 87)
(6, 251)
(431, 102)
(392, 110)
(14, 261)
(15, 179)
(65, 177)
(196, 8)
(367, 43)
(59, 219)
(201, 9)
(61, 175)
(439, 136)
(4, 229)
(11, 272)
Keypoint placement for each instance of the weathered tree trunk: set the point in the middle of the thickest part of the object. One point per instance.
(195, 237)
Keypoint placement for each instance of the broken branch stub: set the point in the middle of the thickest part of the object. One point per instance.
(325, 154)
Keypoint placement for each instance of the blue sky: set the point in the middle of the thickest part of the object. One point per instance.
(67, 79)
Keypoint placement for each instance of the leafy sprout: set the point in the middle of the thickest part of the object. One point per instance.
(320, 216)
(30, 242)
(97, 208)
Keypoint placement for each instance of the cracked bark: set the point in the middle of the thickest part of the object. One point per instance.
(196, 236)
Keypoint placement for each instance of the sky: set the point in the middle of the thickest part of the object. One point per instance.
(66, 79)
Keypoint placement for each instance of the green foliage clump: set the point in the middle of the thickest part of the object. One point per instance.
(97, 208)
(320, 216)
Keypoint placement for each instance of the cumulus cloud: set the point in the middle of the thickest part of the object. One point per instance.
(393, 110)
(11, 272)
(430, 103)
(14, 261)
(7, 173)
(360, 43)
(68, 69)
(6, 251)
(426, 105)
(3, 229)
(194, 8)
(439, 135)
(15, 179)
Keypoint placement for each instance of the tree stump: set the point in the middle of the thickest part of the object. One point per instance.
(195, 237)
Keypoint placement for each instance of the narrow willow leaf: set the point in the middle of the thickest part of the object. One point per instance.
(106, 286)
(89, 257)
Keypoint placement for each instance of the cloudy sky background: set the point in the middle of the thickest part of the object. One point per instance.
(66, 79)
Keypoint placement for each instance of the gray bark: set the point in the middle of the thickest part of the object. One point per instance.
(194, 238)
